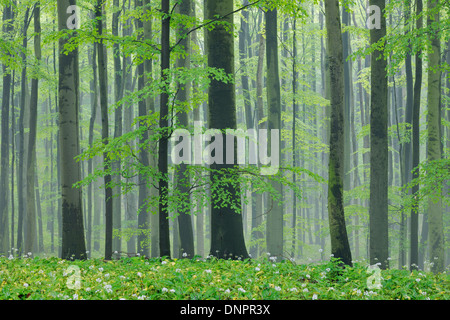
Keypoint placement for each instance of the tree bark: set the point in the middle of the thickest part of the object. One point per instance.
(118, 116)
(103, 86)
(30, 234)
(340, 247)
(414, 224)
(73, 242)
(227, 237)
(182, 174)
(274, 227)
(4, 221)
(435, 218)
(164, 235)
(378, 207)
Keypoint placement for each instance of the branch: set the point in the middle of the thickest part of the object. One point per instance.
(211, 21)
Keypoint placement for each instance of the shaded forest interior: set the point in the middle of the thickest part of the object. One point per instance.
(350, 100)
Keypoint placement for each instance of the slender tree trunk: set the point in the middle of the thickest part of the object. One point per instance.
(4, 221)
(378, 208)
(73, 242)
(30, 234)
(143, 215)
(435, 218)
(128, 116)
(39, 214)
(257, 211)
(13, 159)
(164, 235)
(153, 145)
(274, 228)
(294, 133)
(118, 95)
(348, 101)
(340, 247)
(21, 155)
(103, 85)
(182, 175)
(94, 107)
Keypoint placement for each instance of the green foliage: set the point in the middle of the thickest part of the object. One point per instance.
(160, 279)
(434, 182)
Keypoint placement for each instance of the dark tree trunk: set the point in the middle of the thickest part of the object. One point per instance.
(21, 155)
(415, 138)
(183, 177)
(274, 228)
(30, 234)
(340, 247)
(73, 242)
(103, 85)
(118, 95)
(164, 235)
(227, 236)
(4, 221)
(378, 209)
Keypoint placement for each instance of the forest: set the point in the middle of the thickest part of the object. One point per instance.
(226, 138)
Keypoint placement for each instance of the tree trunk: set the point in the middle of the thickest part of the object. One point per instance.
(94, 107)
(164, 235)
(128, 116)
(294, 133)
(182, 174)
(30, 234)
(340, 247)
(4, 221)
(257, 210)
(103, 86)
(274, 228)
(118, 95)
(227, 237)
(415, 138)
(153, 145)
(378, 208)
(143, 215)
(21, 155)
(435, 218)
(73, 242)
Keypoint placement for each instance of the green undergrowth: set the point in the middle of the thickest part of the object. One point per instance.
(200, 279)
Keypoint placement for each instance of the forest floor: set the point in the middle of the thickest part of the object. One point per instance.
(200, 279)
